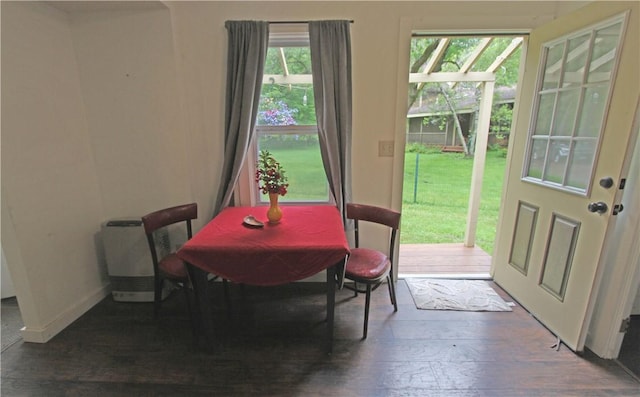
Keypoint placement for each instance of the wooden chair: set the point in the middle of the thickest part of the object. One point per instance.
(368, 266)
(169, 267)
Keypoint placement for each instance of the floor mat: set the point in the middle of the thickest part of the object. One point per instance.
(463, 295)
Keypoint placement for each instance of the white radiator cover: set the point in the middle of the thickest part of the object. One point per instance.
(129, 260)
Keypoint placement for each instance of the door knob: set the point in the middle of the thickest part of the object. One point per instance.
(599, 207)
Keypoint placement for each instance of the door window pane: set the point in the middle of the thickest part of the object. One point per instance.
(573, 71)
(545, 111)
(592, 111)
(565, 112)
(556, 161)
(552, 67)
(603, 57)
(538, 155)
(579, 169)
(573, 92)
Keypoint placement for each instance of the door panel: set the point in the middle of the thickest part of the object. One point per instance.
(549, 244)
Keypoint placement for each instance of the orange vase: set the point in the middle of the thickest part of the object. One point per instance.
(274, 213)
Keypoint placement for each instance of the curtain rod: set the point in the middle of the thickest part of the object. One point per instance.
(293, 22)
(471, 34)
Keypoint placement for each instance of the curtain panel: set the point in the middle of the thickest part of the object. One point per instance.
(330, 46)
(246, 55)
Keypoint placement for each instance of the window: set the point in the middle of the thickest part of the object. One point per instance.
(286, 124)
(569, 109)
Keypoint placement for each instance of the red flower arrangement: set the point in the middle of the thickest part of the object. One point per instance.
(270, 175)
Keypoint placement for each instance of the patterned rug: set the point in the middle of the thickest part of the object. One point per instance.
(463, 295)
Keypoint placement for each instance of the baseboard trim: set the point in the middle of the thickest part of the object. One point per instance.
(459, 276)
(44, 334)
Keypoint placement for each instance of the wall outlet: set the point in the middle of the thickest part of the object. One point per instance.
(385, 148)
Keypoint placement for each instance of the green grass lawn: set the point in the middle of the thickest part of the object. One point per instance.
(439, 213)
(434, 208)
(303, 166)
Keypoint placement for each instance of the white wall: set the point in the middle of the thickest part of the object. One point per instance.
(51, 201)
(116, 108)
(91, 130)
(128, 79)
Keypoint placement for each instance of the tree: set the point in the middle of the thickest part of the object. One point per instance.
(501, 117)
(455, 51)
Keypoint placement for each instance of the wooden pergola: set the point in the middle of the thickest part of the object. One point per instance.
(486, 82)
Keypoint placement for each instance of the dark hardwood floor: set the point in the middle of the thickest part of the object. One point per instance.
(273, 345)
(11, 322)
(630, 349)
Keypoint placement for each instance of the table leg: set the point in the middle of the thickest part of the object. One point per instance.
(205, 330)
(331, 303)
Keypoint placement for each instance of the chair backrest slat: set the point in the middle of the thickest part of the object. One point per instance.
(168, 216)
(379, 215)
(165, 217)
(374, 214)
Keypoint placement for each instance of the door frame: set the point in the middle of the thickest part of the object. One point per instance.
(525, 17)
(407, 27)
(610, 295)
(618, 288)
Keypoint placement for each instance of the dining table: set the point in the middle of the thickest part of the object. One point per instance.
(241, 246)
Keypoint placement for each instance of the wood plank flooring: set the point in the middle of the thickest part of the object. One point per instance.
(273, 345)
(11, 322)
(443, 259)
(630, 349)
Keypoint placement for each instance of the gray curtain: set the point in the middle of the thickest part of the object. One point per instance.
(330, 45)
(246, 54)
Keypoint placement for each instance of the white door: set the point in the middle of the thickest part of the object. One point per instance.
(574, 120)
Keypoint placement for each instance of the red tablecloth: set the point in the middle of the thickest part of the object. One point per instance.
(307, 240)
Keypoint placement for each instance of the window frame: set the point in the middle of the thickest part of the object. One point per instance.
(247, 189)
